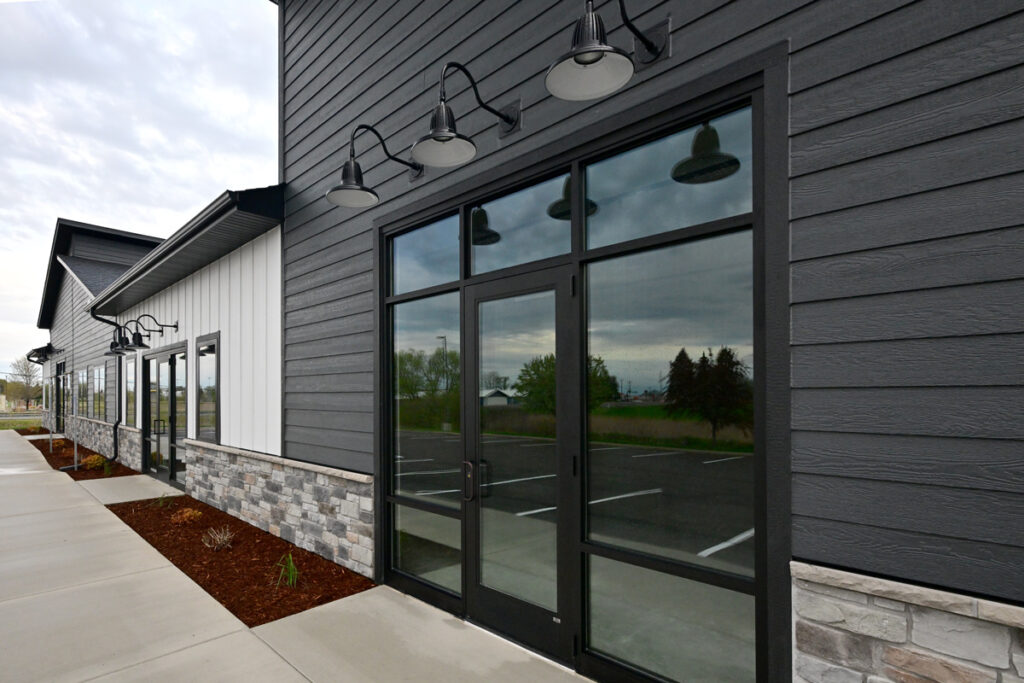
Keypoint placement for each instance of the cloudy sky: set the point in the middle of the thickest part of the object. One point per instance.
(131, 114)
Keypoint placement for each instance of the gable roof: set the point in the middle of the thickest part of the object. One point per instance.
(93, 274)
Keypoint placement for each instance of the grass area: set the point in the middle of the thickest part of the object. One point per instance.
(641, 411)
(21, 424)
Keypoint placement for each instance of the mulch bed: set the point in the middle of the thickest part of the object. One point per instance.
(63, 455)
(244, 577)
(29, 431)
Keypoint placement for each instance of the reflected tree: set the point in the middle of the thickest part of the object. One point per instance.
(715, 388)
(536, 384)
(492, 380)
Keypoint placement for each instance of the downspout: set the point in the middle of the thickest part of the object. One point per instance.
(117, 391)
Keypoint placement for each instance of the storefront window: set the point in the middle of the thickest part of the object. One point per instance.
(208, 391)
(664, 185)
(99, 392)
(129, 392)
(426, 256)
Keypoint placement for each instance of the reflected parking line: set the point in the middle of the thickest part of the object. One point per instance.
(654, 455)
(648, 492)
(425, 472)
(404, 461)
(608, 448)
(539, 445)
(739, 538)
(497, 483)
(735, 457)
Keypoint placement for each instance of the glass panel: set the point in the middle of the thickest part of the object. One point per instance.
(208, 391)
(83, 393)
(680, 629)
(634, 194)
(129, 393)
(670, 459)
(428, 546)
(427, 457)
(518, 452)
(99, 393)
(180, 410)
(519, 228)
(426, 256)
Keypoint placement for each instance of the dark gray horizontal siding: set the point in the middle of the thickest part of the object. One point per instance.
(961, 564)
(906, 196)
(105, 249)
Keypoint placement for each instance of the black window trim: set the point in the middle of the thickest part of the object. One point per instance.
(200, 341)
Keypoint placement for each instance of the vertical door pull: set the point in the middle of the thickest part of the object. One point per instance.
(467, 481)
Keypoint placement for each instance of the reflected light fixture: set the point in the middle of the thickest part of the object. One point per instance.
(480, 233)
(561, 209)
(707, 162)
(592, 68)
(351, 192)
(444, 146)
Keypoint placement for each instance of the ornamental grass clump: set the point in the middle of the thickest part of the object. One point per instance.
(289, 572)
(94, 462)
(186, 516)
(218, 538)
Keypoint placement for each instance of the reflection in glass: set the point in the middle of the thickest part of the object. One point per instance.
(427, 457)
(670, 442)
(207, 393)
(680, 629)
(129, 393)
(518, 451)
(428, 546)
(99, 392)
(426, 256)
(637, 195)
(526, 231)
(180, 411)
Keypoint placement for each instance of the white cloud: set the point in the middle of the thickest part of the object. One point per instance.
(126, 113)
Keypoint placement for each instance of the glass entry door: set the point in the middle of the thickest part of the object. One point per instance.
(519, 461)
(166, 421)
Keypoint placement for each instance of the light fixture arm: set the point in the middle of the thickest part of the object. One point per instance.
(416, 168)
(157, 322)
(509, 118)
(652, 48)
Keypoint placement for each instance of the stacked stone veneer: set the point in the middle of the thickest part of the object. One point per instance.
(325, 510)
(850, 628)
(98, 436)
(130, 447)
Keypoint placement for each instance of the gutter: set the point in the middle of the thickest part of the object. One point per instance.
(117, 391)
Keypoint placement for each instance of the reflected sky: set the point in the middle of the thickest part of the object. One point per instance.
(643, 308)
(514, 331)
(418, 324)
(527, 232)
(426, 256)
(636, 196)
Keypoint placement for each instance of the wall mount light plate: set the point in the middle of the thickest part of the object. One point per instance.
(513, 109)
(661, 35)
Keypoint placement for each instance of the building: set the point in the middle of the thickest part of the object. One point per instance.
(825, 195)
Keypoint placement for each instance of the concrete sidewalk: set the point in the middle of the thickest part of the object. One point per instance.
(82, 597)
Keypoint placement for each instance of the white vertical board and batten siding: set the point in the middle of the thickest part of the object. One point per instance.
(239, 296)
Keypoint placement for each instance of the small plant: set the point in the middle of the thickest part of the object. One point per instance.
(218, 539)
(186, 516)
(289, 572)
(108, 468)
(163, 501)
(94, 462)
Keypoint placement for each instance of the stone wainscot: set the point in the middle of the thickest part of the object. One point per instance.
(324, 510)
(851, 628)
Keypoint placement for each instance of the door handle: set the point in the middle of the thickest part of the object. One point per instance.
(467, 481)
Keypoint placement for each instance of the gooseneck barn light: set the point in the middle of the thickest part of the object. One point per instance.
(592, 68)
(351, 192)
(123, 344)
(707, 162)
(444, 146)
(561, 209)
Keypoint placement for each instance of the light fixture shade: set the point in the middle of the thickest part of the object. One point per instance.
(561, 209)
(591, 68)
(351, 192)
(706, 162)
(481, 234)
(137, 343)
(443, 146)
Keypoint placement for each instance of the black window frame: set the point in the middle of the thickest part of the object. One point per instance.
(759, 81)
(200, 341)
